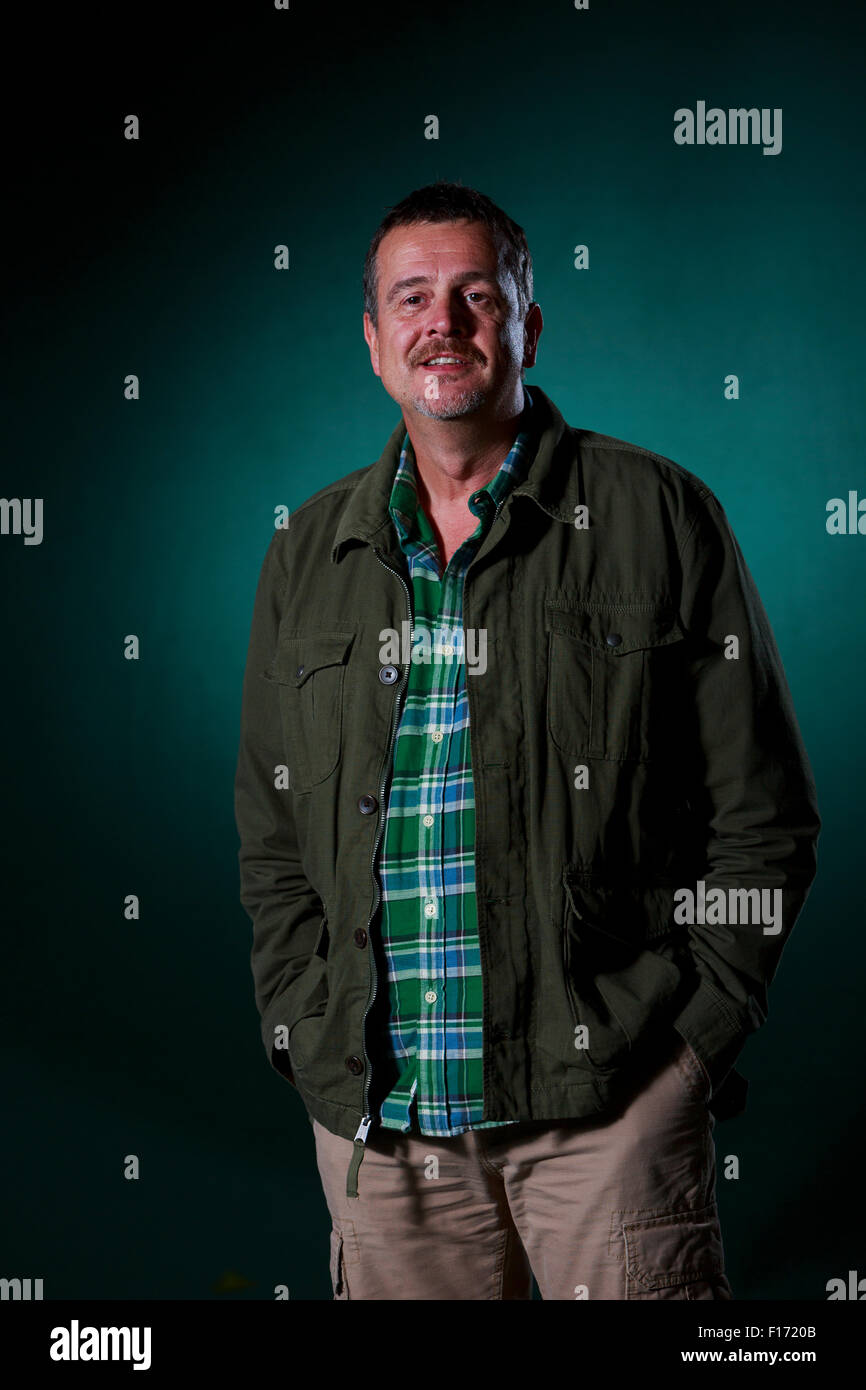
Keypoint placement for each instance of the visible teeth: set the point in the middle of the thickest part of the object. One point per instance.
(441, 361)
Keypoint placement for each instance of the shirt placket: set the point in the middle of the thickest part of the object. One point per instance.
(437, 1006)
(447, 1023)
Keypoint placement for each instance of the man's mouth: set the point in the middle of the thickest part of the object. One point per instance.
(445, 362)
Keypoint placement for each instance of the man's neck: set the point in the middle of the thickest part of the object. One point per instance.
(454, 459)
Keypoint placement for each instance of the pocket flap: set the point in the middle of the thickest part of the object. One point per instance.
(614, 628)
(299, 655)
(626, 912)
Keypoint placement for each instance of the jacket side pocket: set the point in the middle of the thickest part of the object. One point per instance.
(622, 966)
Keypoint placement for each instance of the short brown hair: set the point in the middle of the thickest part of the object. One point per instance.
(453, 202)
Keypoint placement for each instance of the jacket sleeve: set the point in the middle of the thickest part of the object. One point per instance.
(751, 785)
(285, 910)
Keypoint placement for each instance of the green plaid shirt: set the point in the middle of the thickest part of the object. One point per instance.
(429, 921)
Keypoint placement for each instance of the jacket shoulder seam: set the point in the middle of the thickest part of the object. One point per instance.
(622, 446)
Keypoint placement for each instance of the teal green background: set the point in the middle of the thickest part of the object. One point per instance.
(259, 128)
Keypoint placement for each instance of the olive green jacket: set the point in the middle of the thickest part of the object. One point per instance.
(633, 746)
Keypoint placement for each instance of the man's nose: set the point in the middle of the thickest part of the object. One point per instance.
(449, 316)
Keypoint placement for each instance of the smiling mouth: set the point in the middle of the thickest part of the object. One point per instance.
(445, 363)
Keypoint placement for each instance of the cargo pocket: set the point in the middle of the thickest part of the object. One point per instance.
(610, 677)
(675, 1255)
(310, 670)
(338, 1266)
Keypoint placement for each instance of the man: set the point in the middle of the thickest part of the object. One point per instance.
(525, 815)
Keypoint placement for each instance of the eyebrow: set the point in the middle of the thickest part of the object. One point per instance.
(411, 281)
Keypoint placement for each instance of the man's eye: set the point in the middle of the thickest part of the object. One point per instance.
(478, 294)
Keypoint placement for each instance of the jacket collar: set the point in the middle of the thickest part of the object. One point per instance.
(549, 480)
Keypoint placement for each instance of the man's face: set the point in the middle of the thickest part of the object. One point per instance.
(457, 303)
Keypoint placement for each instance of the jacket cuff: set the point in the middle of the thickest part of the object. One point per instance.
(713, 1032)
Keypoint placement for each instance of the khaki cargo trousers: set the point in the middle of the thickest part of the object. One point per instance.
(619, 1206)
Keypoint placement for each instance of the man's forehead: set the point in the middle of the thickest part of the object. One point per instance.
(437, 240)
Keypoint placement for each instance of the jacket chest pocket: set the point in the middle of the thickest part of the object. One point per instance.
(610, 669)
(310, 670)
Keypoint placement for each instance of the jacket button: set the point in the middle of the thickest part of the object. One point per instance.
(300, 671)
(355, 1065)
(613, 639)
(388, 674)
(367, 805)
(360, 938)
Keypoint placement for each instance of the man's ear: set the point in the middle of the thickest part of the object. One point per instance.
(532, 326)
(371, 338)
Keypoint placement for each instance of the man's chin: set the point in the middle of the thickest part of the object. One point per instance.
(450, 405)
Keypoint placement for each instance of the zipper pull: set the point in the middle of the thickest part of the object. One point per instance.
(357, 1155)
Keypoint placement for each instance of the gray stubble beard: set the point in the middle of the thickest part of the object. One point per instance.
(464, 403)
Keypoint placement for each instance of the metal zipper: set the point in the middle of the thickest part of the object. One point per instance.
(367, 1119)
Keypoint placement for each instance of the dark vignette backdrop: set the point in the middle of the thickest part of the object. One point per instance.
(261, 127)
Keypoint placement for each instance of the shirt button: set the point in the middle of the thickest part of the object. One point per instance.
(447, 651)
(431, 996)
(438, 736)
(367, 805)
(360, 938)
(613, 639)
(428, 821)
(388, 674)
(355, 1065)
(429, 909)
